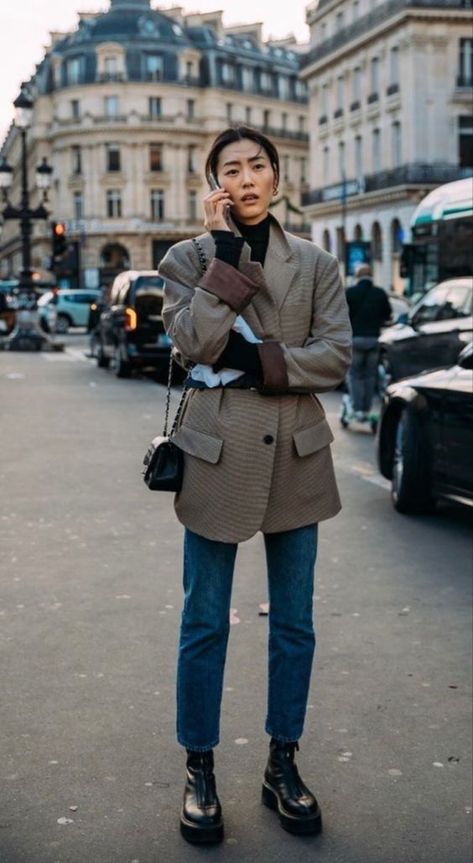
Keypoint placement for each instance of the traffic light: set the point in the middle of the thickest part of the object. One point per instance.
(59, 240)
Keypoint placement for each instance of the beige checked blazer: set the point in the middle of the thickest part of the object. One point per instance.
(258, 460)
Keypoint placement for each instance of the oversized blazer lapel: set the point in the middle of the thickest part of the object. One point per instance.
(279, 270)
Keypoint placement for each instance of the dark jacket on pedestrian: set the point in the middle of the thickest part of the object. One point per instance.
(369, 308)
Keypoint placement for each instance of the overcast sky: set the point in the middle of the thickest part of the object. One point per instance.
(25, 27)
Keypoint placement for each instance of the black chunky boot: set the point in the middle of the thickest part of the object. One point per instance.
(284, 790)
(201, 814)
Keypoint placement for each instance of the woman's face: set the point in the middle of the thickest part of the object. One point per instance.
(245, 172)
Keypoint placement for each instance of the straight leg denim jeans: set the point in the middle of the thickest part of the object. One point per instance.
(205, 626)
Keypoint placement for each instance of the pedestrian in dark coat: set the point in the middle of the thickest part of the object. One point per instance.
(267, 328)
(369, 310)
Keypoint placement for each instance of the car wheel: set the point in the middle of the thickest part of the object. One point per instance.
(385, 373)
(62, 324)
(103, 361)
(410, 483)
(121, 368)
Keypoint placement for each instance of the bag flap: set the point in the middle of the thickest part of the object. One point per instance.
(199, 444)
(313, 438)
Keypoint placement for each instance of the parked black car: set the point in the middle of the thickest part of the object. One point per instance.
(425, 437)
(432, 334)
(130, 333)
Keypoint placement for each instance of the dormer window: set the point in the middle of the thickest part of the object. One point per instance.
(110, 66)
(153, 67)
(74, 69)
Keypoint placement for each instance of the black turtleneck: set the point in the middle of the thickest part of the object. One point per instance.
(239, 353)
(228, 246)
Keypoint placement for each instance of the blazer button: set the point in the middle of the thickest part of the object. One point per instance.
(268, 438)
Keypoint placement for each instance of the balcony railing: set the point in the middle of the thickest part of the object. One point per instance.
(373, 19)
(338, 113)
(322, 119)
(464, 81)
(103, 77)
(372, 98)
(412, 174)
(393, 88)
(355, 106)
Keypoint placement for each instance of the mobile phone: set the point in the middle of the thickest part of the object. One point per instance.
(213, 182)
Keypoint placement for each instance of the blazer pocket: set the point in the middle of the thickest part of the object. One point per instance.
(199, 444)
(313, 438)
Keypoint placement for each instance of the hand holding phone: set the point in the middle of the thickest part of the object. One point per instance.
(211, 222)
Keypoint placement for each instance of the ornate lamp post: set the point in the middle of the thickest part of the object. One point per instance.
(27, 334)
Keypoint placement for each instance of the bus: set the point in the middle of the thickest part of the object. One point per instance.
(442, 238)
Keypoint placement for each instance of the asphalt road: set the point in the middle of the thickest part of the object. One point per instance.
(89, 612)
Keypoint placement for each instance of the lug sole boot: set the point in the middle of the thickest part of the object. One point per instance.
(201, 813)
(285, 792)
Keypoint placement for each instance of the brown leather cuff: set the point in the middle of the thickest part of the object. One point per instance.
(275, 378)
(228, 284)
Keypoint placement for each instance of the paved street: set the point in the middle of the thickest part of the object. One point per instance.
(89, 611)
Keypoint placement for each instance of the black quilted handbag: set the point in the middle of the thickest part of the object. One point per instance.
(164, 461)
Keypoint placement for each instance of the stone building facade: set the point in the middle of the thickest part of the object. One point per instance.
(390, 117)
(125, 108)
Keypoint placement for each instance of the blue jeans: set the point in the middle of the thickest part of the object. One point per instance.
(205, 625)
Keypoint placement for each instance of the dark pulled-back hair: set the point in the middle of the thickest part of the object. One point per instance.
(240, 133)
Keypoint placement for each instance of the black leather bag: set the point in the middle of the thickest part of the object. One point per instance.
(164, 465)
(164, 461)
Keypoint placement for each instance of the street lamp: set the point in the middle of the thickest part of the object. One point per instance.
(27, 334)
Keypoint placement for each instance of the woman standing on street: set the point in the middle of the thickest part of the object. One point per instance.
(251, 298)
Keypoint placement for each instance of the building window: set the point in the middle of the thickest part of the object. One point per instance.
(229, 112)
(465, 70)
(326, 164)
(339, 21)
(356, 86)
(394, 65)
(303, 170)
(266, 82)
(341, 159)
(228, 73)
(192, 205)
(323, 31)
(266, 119)
(77, 205)
(247, 78)
(340, 93)
(114, 203)
(153, 67)
(358, 157)
(156, 157)
(113, 157)
(189, 69)
(324, 101)
(111, 105)
(285, 171)
(300, 89)
(283, 122)
(190, 105)
(191, 159)
(75, 109)
(154, 107)
(248, 116)
(110, 67)
(73, 69)
(465, 141)
(374, 75)
(76, 159)
(157, 205)
(284, 89)
(376, 141)
(356, 9)
(396, 144)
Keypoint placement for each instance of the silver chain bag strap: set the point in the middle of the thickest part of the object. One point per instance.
(163, 464)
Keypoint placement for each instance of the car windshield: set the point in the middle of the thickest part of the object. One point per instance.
(429, 308)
